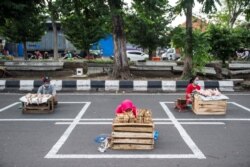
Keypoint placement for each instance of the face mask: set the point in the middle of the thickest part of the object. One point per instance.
(196, 82)
(46, 85)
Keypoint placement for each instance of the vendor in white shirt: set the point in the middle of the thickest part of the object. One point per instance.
(47, 88)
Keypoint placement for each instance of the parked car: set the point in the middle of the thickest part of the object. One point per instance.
(170, 54)
(136, 55)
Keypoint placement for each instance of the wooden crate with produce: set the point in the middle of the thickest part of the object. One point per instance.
(133, 133)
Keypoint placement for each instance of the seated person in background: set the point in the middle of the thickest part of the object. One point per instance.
(47, 88)
(126, 106)
(38, 55)
(68, 55)
(192, 86)
(46, 55)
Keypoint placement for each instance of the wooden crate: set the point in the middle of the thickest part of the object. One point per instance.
(43, 108)
(132, 136)
(212, 107)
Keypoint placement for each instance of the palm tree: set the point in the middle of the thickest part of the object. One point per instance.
(186, 6)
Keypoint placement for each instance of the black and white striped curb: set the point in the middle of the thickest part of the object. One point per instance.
(112, 85)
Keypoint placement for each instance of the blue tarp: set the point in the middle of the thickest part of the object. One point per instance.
(20, 50)
(106, 46)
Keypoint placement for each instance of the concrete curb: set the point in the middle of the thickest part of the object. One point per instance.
(113, 85)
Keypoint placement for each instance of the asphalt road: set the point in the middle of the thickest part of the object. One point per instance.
(66, 137)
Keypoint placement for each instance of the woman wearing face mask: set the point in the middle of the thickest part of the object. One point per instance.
(192, 86)
(47, 88)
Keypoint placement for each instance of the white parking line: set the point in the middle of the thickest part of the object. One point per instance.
(92, 121)
(214, 119)
(124, 156)
(241, 106)
(183, 133)
(35, 120)
(74, 102)
(67, 132)
(191, 123)
(54, 150)
(9, 106)
(156, 123)
(66, 119)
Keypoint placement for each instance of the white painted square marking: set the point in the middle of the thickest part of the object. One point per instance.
(76, 121)
(54, 150)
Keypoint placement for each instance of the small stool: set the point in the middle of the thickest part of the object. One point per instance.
(180, 104)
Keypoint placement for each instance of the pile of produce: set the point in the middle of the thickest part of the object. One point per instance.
(143, 116)
(209, 92)
(36, 98)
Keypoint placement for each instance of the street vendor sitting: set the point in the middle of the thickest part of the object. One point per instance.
(192, 86)
(126, 106)
(47, 88)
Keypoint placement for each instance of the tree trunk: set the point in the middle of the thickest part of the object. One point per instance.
(55, 34)
(233, 18)
(121, 67)
(25, 50)
(187, 70)
(55, 39)
(151, 53)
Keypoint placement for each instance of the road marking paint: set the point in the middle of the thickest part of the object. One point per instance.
(85, 123)
(241, 106)
(215, 119)
(122, 156)
(32, 120)
(97, 119)
(9, 106)
(74, 102)
(111, 119)
(192, 123)
(183, 133)
(156, 123)
(67, 132)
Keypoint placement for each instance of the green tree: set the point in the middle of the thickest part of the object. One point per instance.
(223, 41)
(147, 24)
(13, 9)
(201, 55)
(186, 6)
(243, 34)
(29, 27)
(247, 13)
(83, 21)
(235, 8)
(121, 67)
(201, 47)
(231, 11)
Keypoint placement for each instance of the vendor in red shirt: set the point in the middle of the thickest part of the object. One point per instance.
(192, 86)
(126, 106)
